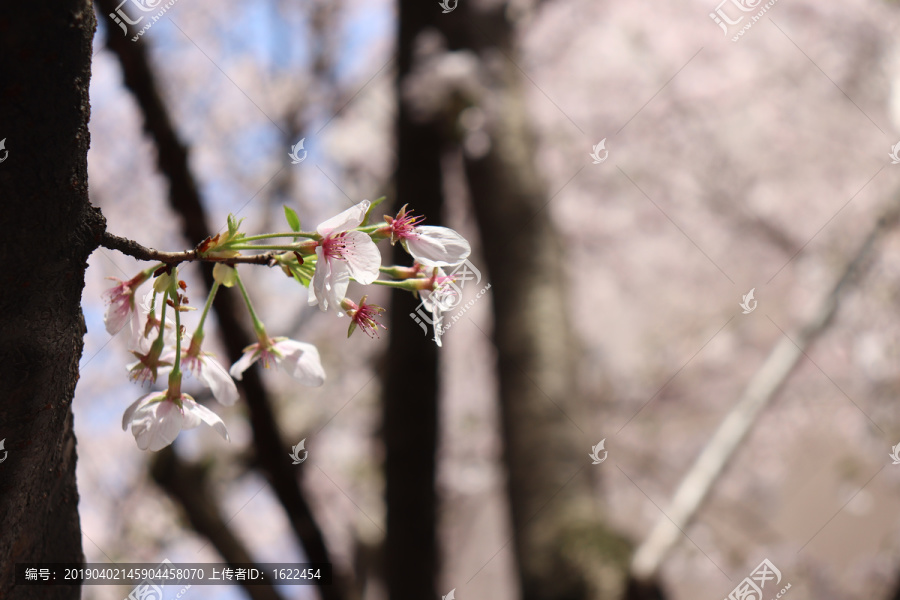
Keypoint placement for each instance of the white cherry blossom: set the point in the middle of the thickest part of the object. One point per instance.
(343, 254)
(156, 419)
(430, 245)
(299, 358)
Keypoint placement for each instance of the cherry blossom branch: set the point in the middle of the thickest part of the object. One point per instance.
(184, 199)
(761, 389)
(132, 248)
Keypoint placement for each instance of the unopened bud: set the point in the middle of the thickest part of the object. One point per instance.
(225, 275)
(162, 283)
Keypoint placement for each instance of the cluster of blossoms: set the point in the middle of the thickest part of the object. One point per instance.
(325, 260)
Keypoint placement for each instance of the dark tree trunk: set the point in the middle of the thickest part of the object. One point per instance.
(411, 385)
(563, 549)
(49, 229)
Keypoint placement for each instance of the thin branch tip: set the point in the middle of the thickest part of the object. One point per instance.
(140, 252)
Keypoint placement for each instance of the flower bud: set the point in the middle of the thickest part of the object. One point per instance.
(225, 275)
(162, 283)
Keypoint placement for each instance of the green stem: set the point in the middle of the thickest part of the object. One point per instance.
(152, 313)
(398, 272)
(290, 234)
(149, 271)
(158, 342)
(198, 333)
(394, 284)
(173, 294)
(263, 247)
(410, 285)
(257, 324)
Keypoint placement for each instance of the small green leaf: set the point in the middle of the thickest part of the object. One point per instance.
(292, 219)
(233, 225)
(369, 212)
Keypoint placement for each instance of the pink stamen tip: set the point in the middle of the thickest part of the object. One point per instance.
(334, 246)
(404, 226)
(365, 319)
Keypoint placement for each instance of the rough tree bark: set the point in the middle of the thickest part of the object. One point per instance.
(49, 229)
(409, 419)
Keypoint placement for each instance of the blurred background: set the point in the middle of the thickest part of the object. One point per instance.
(617, 273)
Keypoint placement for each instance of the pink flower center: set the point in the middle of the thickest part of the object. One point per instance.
(334, 246)
(404, 227)
(365, 319)
(144, 371)
(269, 356)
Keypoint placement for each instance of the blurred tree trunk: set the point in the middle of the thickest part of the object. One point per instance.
(409, 419)
(563, 549)
(49, 229)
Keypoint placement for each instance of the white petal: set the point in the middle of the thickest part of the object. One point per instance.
(311, 297)
(138, 322)
(317, 291)
(362, 256)
(251, 355)
(155, 426)
(433, 305)
(116, 316)
(218, 380)
(138, 342)
(438, 246)
(303, 361)
(129, 412)
(330, 282)
(195, 413)
(348, 219)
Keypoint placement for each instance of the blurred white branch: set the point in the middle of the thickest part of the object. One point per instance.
(762, 388)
